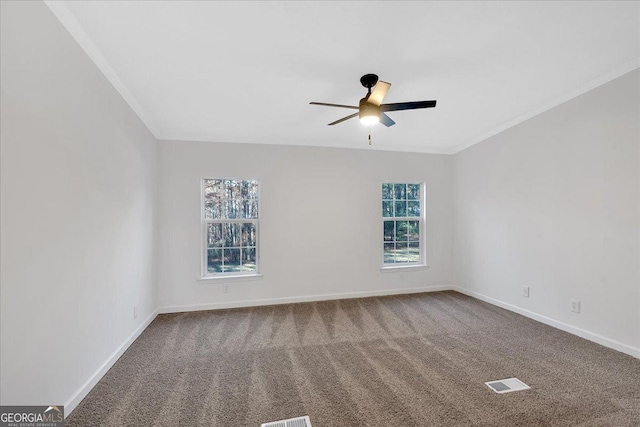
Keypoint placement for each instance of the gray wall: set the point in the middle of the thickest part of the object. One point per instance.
(321, 222)
(553, 204)
(78, 196)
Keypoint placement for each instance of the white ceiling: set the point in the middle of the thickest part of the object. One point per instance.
(246, 71)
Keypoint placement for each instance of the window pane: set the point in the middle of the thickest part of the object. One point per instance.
(402, 252)
(211, 209)
(389, 253)
(414, 252)
(400, 192)
(250, 209)
(387, 208)
(209, 189)
(214, 190)
(231, 260)
(232, 209)
(249, 259)
(214, 235)
(413, 191)
(244, 186)
(248, 234)
(401, 208)
(224, 208)
(231, 234)
(214, 260)
(413, 208)
(388, 231)
(245, 210)
(401, 230)
(413, 230)
(228, 189)
(236, 189)
(252, 189)
(387, 191)
(219, 190)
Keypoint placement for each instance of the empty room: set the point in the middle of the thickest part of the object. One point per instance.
(320, 213)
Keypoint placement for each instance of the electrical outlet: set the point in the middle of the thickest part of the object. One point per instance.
(135, 312)
(525, 291)
(225, 288)
(575, 305)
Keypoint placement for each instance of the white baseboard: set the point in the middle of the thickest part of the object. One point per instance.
(624, 348)
(288, 300)
(82, 392)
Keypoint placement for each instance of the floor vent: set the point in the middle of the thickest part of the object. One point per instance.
(291, 422)
(507, 386)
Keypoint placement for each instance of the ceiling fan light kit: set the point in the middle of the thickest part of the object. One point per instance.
(369, 114)
(371, 110)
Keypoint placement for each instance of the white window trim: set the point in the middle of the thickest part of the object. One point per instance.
(410, 267)
(236, 278)
(405, 266)
(205, 276)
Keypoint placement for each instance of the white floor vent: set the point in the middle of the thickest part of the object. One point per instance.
(291, 422)
(507, 386)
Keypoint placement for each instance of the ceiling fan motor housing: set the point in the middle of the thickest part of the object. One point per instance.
(367, 109)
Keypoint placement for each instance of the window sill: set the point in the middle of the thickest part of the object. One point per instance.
(398, 269)
(234, 278)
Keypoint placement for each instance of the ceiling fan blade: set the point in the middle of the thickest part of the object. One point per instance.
(334, 105)
(407, 105)
(386, 120)
(379, 92)
(351, 116)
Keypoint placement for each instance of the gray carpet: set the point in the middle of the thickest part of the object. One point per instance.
(410, 360)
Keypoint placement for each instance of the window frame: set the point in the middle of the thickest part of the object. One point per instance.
(204, 273)
(422, 219)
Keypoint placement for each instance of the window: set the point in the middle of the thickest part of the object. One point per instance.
(403, 224)
(230, 222)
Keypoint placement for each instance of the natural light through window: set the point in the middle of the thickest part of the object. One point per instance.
(230, 227)
(403, 224)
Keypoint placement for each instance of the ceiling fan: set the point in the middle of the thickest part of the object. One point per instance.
(371, 109)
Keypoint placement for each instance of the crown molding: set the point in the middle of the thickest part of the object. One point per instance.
(364, 146)
(574, 93)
